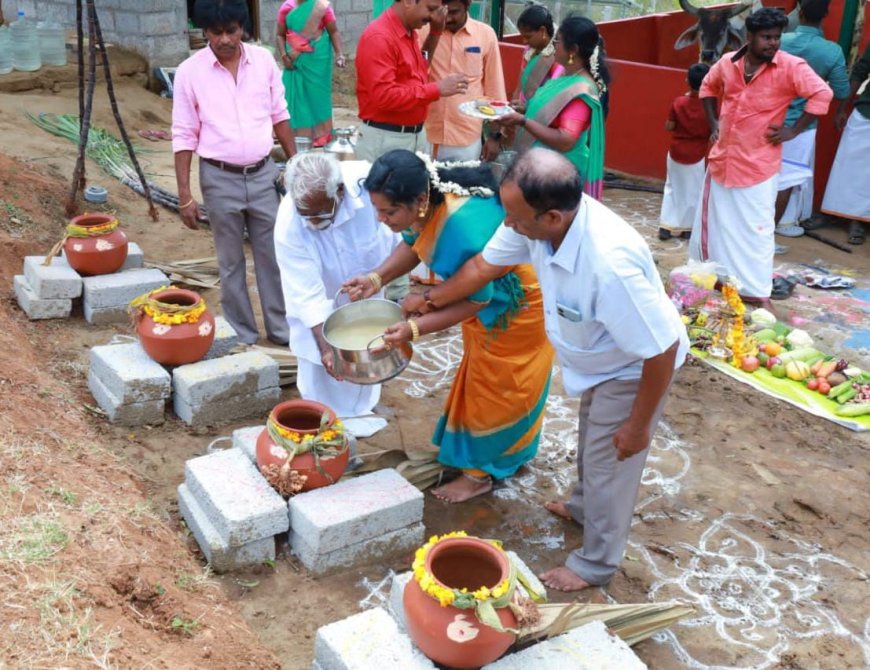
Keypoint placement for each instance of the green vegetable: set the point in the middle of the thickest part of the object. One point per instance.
(840, 388)
(846, 396)
(781, 329)
(803, 354)
(855, 409)
(765, 335)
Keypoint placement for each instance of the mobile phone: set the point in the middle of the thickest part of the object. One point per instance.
(568, 313)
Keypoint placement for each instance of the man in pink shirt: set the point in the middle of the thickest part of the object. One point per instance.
(227, 100)
(734, 225)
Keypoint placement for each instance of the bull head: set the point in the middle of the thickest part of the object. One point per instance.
(715, 31)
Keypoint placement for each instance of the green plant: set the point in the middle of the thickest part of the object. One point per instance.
(184, 626)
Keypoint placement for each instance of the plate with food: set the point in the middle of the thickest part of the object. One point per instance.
(485, 109)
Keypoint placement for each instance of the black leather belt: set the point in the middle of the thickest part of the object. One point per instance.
(393, 128)
(238, 169)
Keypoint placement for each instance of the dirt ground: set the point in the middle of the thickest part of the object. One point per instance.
(754, 512)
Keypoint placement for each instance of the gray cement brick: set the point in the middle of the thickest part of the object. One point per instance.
(220, 557)
(590, 647)
(135, 258)
(367, 641)
(116, 290)
(238, 501)
(129, 373)
(52, 282)
(36, 308)
(150, 412)
(224, 378)
(225, 339)
(397, 595)
(360, 553)
(102, 316)
(530, 576)
(354, 510)
(216, 412)
(246, 440)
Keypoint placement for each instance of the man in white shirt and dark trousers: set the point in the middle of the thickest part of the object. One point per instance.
(617, 336)
(326, 231)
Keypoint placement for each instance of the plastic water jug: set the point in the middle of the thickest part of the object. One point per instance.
(25, 44)
(52, 43)
(5, 51)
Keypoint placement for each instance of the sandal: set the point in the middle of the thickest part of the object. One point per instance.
(664, 234)
(818, 221)
(782, 288)
(857, 234)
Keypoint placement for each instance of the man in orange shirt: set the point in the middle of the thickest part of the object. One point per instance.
(471, 47)
(735, 223)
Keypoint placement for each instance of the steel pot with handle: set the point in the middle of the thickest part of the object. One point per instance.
(366, 361)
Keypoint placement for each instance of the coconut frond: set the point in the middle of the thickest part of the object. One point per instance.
(632, 622)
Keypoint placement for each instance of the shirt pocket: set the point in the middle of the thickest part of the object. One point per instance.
(579, 335)
(473, 64)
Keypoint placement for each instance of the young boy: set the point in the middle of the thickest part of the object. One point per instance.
(690, 140)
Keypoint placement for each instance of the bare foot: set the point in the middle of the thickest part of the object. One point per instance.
(562, 579)
(559, 508)
(462, 489)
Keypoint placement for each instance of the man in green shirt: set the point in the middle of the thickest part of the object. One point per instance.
(794, 201)
(847, 195)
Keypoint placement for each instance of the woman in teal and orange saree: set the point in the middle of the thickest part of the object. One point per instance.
(306, 37)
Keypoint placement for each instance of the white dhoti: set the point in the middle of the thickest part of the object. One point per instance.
(796, 173)
(344, 398)
(848, 191)
(447, 153)
(734, 228)
(681, 196)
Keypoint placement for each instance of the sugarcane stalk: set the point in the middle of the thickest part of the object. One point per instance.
(78, 181)
(113, 101)
(80, 50)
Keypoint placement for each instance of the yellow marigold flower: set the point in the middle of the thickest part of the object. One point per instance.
(482, 593)
(501, 589)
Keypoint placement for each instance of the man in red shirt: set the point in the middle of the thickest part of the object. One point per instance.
(392, 79)
(735, 222)
(690, 138)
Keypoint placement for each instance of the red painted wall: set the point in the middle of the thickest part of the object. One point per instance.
(511, 64)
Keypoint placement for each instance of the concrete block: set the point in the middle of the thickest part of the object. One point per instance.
(149, 412)
(403, 540)
(104, 315)
(116, 290)
(246, 440)
(36, 307)
(52, 282)
(135, 258)
(129, 373)
(245, 406)
(365, 641)
(354, 510)
(529, 576)
(224, 378)
(397, 595)
(238, 501)
(219, 555)
(590, 647)
(225, 339)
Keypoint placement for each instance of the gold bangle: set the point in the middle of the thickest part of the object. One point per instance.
(376, 280)
(415, 330)
(187, 204)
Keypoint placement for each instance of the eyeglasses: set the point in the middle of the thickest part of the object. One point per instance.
(315, 220)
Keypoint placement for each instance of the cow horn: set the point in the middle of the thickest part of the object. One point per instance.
(689, 7)
(742, 7)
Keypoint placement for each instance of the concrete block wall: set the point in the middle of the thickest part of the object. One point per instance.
(351, 17)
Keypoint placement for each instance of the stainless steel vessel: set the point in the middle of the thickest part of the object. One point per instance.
(375, 363)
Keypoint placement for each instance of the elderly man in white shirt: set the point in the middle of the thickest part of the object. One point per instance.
(326, 231)
(617, 336)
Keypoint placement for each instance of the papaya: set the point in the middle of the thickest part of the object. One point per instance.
(797, 370)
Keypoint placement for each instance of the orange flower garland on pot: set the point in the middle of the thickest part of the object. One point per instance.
(303, 439)
(93, 244)
(173, 324)
(457, 606)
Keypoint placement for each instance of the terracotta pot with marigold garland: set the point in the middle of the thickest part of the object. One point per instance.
(302, 447)
(93, 245)
(461, 607)
(174, 325)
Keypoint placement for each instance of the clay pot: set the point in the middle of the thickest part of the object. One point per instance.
(303, 417)
(98, 255)
(448, 635)
(176, 344)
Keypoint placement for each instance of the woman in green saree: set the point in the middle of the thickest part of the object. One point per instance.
(306, 37)
(567, 113)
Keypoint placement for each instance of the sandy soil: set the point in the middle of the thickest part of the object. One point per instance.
(754, 512)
